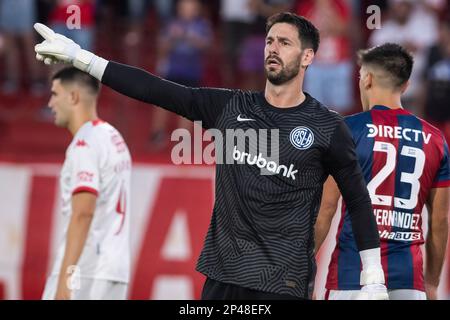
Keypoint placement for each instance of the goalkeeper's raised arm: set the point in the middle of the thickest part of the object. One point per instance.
(201, 104)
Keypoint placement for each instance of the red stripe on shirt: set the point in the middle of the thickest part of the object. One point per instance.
(327, 294)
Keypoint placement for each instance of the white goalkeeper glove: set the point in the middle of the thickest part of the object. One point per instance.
(375, 289)
(57, 48)
(372, 277)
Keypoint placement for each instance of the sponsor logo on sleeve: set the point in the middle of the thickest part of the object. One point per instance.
(85, 176)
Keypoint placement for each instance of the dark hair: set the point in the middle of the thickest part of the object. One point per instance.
(73, 75)
(392, 59)
(307, 32)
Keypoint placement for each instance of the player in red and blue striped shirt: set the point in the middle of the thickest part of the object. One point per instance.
(405, 162)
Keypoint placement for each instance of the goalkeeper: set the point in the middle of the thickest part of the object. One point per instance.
(260, 242)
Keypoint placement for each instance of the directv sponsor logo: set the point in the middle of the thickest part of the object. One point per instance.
(397, 133)
(262, 163)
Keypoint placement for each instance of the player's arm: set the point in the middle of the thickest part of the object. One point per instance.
(203, 104)
(328, 206)
(193, 103)
(83, 208)
(84, 162)
(436, 242)
(343, 165)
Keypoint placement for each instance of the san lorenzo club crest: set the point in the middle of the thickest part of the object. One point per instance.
(302, 138)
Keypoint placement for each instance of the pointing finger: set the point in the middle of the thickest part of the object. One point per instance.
(44, 31)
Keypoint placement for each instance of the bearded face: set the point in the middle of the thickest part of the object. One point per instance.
(283, 53)
(278, 72)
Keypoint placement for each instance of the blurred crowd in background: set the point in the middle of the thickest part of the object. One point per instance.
(220, 43)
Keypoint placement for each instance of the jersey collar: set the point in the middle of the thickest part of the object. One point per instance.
(398, 111)
(301, 107)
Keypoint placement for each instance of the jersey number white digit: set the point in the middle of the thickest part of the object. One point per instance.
(410, 178)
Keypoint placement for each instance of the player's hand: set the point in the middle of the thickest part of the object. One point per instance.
(63, 292)
(55, 48)
(373, 292)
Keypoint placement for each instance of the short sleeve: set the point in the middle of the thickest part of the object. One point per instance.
(85, 172)
(442, 178)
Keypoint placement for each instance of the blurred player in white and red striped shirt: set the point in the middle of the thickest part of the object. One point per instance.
(92, 261)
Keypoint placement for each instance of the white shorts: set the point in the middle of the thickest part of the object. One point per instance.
(89, 289)
(396, 294)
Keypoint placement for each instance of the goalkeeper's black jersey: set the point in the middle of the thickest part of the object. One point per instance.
(261, 234)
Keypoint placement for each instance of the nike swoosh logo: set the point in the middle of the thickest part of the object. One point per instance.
(240, 119)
